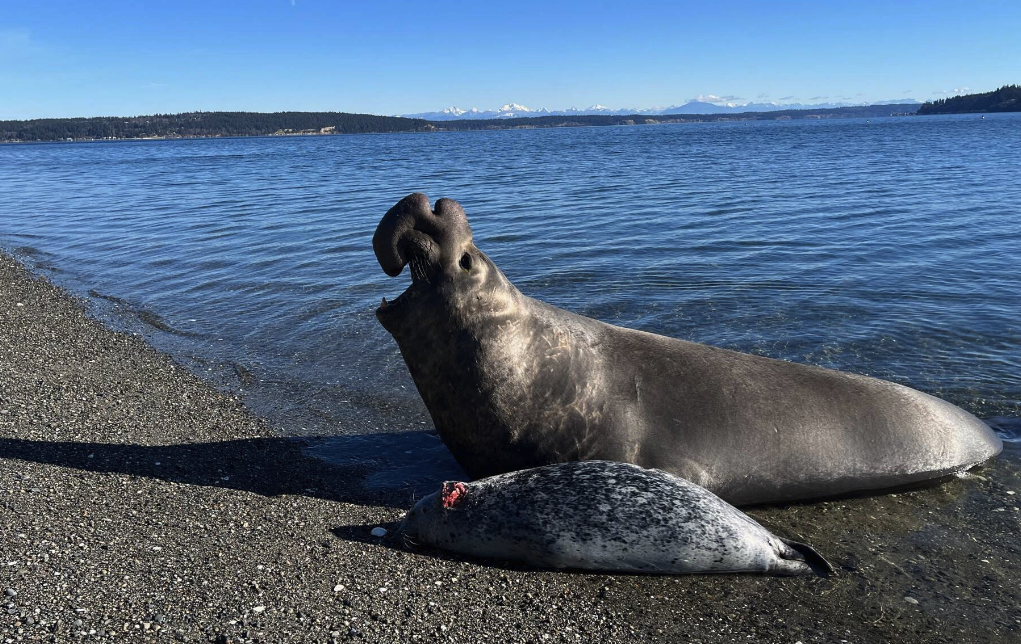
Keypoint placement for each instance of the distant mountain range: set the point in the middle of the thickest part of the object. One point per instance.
(515, 110)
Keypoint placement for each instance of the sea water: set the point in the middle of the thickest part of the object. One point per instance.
(888, 247)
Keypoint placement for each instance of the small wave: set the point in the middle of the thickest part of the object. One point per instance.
(246, 376)
(155, 320)
(35, 258)
(28, 251)
(109, 298)
(151, 318)
(1008, 428)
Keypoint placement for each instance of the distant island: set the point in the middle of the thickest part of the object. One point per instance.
(201, 125)
(235, 124)
(1005, 99)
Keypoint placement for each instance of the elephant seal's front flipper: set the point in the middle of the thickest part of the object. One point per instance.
(513, 383)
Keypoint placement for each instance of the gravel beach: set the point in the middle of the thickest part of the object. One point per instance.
(138, 503)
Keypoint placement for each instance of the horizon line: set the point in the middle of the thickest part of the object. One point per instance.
(414, 115)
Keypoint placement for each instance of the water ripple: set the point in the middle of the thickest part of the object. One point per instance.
(893, 251)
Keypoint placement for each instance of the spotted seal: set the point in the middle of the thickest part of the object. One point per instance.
(605, 516)
(513, 383)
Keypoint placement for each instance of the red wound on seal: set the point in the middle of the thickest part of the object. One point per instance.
(453, 493)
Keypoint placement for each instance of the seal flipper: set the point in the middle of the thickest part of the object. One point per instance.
(805, 554)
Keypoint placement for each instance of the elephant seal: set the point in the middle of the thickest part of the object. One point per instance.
(606, 516)
(513, 383)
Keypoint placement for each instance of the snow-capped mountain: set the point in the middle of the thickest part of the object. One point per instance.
(602, 109)
(507, 111)
(516, 110)
(704, 107)
(699, 107)
(511, 110)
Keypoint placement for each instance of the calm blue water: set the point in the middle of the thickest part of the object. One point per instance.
(890, 248)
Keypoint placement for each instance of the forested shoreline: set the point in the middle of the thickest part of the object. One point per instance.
(202, 124)
(235, 124)
(1005, 99)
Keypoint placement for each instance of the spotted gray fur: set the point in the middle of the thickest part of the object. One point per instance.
(607, 516)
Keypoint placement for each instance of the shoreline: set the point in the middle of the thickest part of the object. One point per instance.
(423, 126)
(141, 504)
(438, 128)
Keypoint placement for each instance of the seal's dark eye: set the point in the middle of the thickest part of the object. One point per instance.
(466, 262)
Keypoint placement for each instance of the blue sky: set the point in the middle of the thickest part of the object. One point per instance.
(124, 58)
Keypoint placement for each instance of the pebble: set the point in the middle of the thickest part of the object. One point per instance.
(338, 588)
(911, 600)
(11, 592)
(379, 532)
(258, 609)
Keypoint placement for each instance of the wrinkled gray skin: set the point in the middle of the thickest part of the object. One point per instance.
(513, 383)
(606, 516)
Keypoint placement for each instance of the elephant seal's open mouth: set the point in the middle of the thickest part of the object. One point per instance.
(389, 312)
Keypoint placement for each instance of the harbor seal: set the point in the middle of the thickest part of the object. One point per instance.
(605, 516)
(513, 383)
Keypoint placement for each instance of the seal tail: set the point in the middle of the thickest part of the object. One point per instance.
(803, 554)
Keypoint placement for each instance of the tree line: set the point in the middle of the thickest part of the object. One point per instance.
(203, 124)
(860, 111)
(1005, 99)
(213, 124)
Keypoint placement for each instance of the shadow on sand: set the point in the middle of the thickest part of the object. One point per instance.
(379, 469)
(362, 533)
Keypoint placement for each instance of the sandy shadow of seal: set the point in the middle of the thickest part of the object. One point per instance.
(362, 533)
(386, 470)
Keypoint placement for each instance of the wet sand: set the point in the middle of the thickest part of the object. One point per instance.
(138, 503)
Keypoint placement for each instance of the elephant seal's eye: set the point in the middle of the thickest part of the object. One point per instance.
(466, 262)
